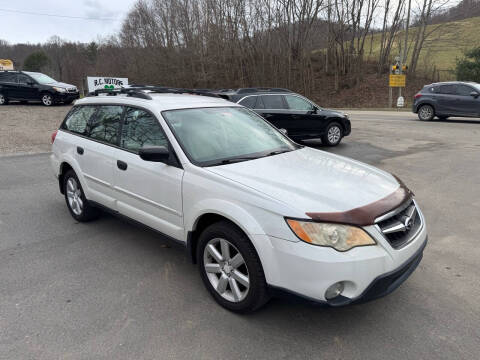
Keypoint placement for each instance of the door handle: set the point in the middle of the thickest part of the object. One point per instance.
(80, 150)
(122, 165)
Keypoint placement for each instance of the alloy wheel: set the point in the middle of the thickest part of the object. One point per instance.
(226, 270)
(74, 196)
(47, 100)
(2, 99)
(426, 112)
(334, 134)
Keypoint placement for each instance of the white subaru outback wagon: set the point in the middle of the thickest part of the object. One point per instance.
(260, 214)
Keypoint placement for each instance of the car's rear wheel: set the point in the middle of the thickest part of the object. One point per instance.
(426, 112)
(47, 99)
(77, 203)
(3, 100)
(333, 135)
(230, 268)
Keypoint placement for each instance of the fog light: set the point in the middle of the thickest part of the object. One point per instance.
(334, 290)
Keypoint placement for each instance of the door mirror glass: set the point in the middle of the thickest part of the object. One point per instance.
(155, 154)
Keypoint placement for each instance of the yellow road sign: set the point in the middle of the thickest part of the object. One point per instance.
(397, 80)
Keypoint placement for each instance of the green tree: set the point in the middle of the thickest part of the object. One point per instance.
(36, 61)
(468, 68)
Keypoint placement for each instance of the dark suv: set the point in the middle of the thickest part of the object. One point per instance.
(300, 117)
(447, 99)
(33, 86)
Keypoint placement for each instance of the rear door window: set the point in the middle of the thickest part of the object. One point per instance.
(140, 129)
(78, 118)
(273, 102)
(22, 79)
(447, 89)
(104, 126)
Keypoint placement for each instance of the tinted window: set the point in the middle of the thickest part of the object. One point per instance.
(249, 102)
(77, 119)
(273, 101)
(22, 79)
(7, 77)
(105, 124)
(297, 103)
(464, 90)
(447, 89)
(141, 129)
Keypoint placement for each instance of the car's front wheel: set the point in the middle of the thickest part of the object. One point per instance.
(47, 99)
(77, 203)
(230, 268)
(3, 100)
(333, 135)
(426, 112)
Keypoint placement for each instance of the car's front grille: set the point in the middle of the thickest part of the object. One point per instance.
(401, 225)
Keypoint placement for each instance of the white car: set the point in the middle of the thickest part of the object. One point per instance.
(260, 214)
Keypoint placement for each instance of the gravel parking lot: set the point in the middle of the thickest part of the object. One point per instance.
(27, 128)
(109, 290)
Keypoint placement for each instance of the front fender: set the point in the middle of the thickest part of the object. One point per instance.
(225, 208)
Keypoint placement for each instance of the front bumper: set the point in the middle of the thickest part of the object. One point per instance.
(66, 96)
(367, 272)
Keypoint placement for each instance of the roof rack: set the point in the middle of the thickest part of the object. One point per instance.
(143, 91)
(261, 89)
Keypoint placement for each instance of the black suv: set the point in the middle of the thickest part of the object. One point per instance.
(33, 86)
(447, 99)
(300, 117)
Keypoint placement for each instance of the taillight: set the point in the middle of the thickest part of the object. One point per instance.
(54, 135)
(417, 96)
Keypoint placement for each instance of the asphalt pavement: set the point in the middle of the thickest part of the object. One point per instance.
(110, 290)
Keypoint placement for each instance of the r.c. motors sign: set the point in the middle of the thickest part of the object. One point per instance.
(104, 82)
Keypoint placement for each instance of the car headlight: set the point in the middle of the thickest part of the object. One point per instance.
(59, 89)
(340, 237)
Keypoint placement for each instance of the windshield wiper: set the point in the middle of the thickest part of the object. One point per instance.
(238, 159)
(276, 152)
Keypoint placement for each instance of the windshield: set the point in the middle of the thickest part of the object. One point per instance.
(41, 78)
(220, 135)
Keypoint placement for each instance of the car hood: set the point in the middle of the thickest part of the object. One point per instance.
(311, 180)
(61, 84)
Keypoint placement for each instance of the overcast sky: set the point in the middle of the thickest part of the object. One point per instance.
(18, 27)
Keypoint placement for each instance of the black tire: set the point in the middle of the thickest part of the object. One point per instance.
(333, 134)
(88, 212)
(47, 99)
(426, 112)
(257, 294)
(3, 100)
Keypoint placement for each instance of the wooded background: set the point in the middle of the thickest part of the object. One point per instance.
(308, 46)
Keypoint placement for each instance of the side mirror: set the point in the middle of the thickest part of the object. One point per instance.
(474, 94)
(30, 82)
(283, 131)
(155, 154)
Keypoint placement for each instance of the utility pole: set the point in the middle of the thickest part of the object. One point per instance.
(404, 51)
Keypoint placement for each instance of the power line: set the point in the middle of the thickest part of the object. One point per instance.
(54, 15)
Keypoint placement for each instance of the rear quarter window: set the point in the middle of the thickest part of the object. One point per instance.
(78, 118)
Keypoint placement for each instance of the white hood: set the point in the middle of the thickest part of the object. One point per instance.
(311, 180)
